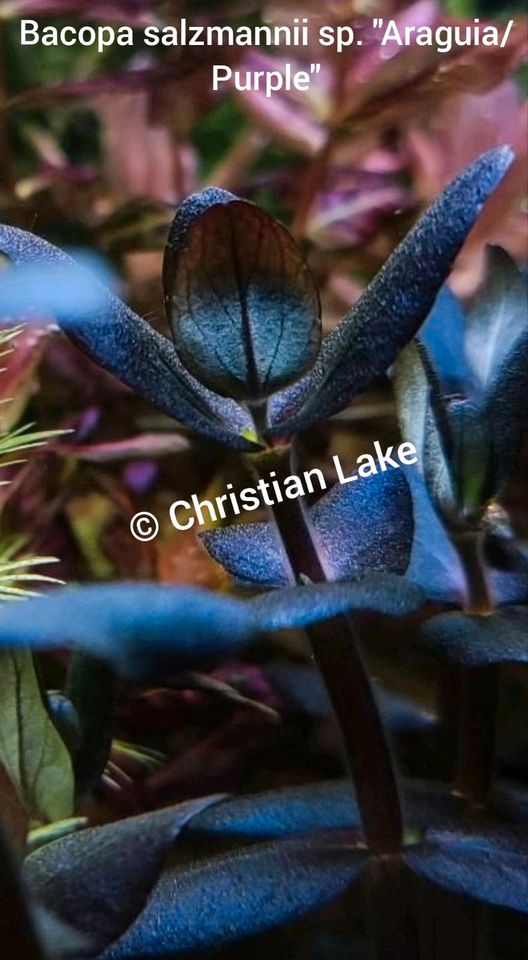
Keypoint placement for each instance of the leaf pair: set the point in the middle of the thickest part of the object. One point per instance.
(245, 313)
(462, 391)
(110, 883)
(114, 884)
(100, 879)
(359, 527)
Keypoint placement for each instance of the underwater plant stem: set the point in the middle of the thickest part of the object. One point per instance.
(338, 655)
(91, 688)
(479, 687)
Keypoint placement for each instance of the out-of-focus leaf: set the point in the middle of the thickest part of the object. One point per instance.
(221, 900)
(47, 282)
(137, 626)
(399, 298)
(19, 372)
(31, 749)
(90, 688)
(116, 10)
(497, 319)
(360, 527)
(182, 559)
(241, 301)
(66, 719)
(54, 831)
(99, 879)
(145, 445)
(301, 690)
(491, 867)
(299, 606)
(143, 628)
(224, 692)
(61, 941)
(470, 640)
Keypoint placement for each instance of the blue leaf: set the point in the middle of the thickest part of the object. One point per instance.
(300, 606)
(273, 814)
(250, 552)
(365, 526)
(240, 298)
(47, 282)
(397, 301)
(220, 900)
(99, 879)
(435, 565)
(491, 868)
(142, 628)
(146, 629)
(360, 527)
(328, 805)
(469, 640)
(443, 337)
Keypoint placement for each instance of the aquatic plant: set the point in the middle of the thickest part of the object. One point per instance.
(247, 369)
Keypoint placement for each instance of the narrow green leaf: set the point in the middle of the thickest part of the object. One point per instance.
(31, 749)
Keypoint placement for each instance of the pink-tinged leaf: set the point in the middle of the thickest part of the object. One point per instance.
(17, 381)
(145, 445)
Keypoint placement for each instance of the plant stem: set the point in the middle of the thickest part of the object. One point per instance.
(338, 655)
(91, 688)
(479, 688)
